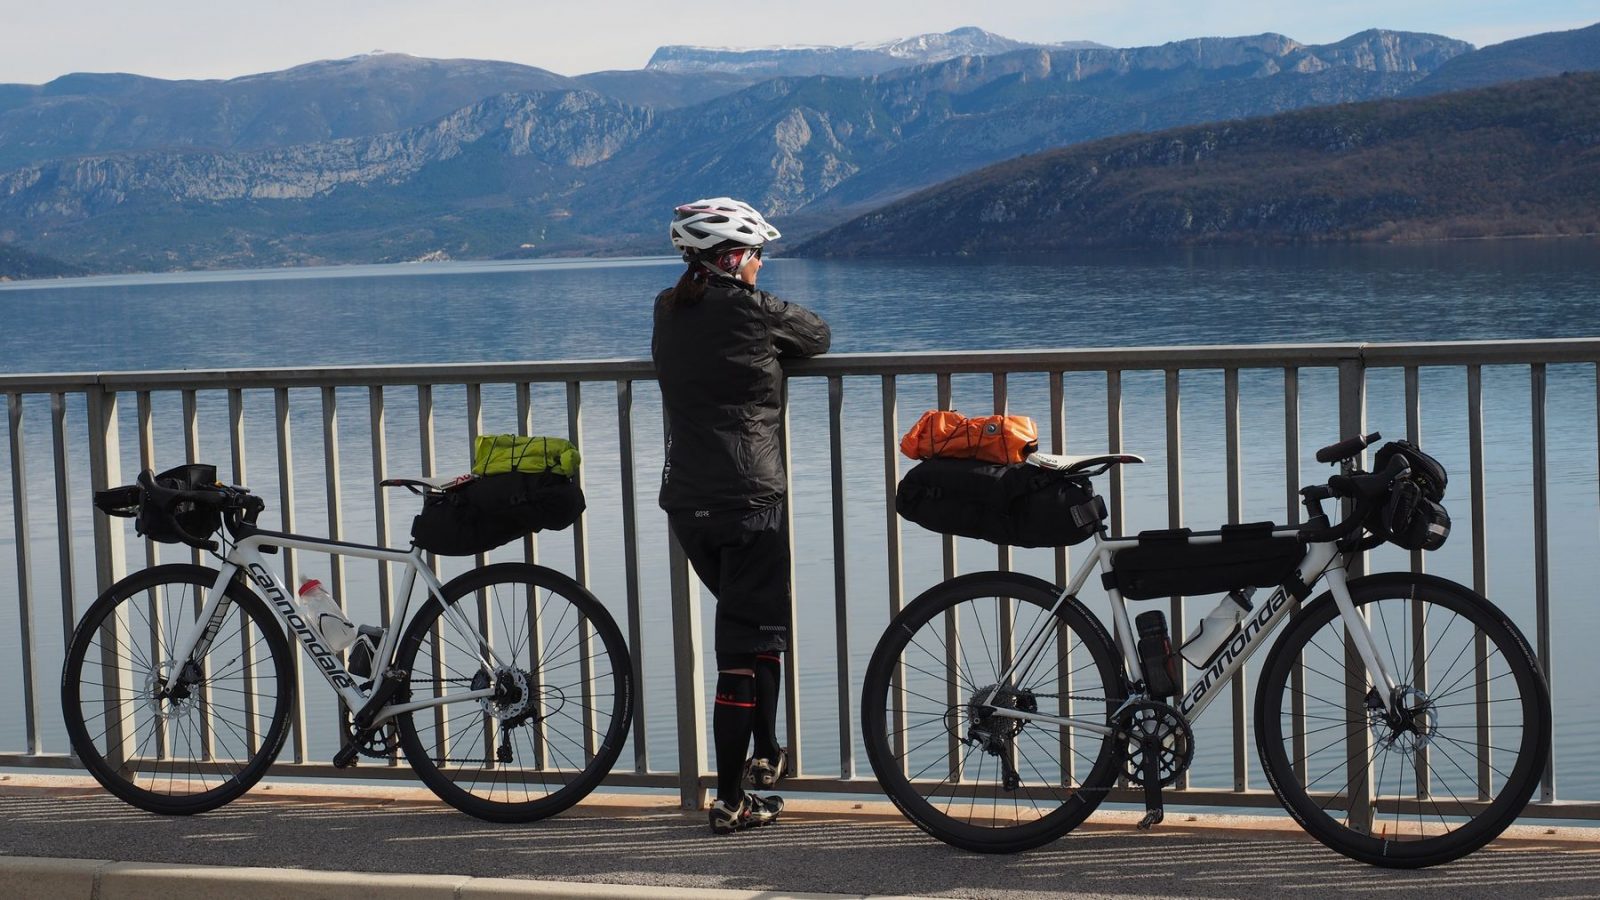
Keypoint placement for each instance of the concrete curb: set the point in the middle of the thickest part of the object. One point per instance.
(1270, 825)
(34, 878)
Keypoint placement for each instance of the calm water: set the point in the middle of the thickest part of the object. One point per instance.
(472, 312)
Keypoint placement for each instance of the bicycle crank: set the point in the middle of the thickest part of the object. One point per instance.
(1158, 747)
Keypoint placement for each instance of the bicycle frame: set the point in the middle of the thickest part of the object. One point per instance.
(246, 556)
(1322, 561)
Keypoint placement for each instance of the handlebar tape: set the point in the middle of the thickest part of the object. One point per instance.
(1347, 448)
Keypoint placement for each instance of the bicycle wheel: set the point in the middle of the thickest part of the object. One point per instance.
(969, 778)
(1435, 782)
(203, 743)
(563, 697)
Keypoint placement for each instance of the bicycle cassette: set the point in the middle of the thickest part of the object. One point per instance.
(1152, 724)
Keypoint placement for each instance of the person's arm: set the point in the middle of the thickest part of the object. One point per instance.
(796, 331)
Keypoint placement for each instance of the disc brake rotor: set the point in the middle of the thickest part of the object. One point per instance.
(1413, 724)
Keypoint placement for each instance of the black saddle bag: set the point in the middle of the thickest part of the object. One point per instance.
(1166, 564)
(485, 512)
(1019, 505)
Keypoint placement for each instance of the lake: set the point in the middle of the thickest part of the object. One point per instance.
(588, 309)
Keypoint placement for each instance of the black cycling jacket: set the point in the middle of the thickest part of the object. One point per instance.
(717, 363)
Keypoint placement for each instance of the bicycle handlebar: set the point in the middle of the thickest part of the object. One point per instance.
(220, 498)
(1366, 489)
(1347, 448)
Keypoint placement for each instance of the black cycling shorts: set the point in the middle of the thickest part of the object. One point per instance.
(742, 556)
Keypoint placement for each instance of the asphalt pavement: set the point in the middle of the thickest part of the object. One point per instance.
(641, 845)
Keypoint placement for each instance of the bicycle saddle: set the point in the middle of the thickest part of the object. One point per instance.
(420, 485)
(1069, 464)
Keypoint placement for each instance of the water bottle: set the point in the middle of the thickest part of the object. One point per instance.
(1213, 632)
(1155, 654)
(337, 631)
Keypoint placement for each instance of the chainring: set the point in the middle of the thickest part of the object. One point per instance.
(382, 745)
(1146, 721)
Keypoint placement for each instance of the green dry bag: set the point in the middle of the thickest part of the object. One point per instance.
(496, 454)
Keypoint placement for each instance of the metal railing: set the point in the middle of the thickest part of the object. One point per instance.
(843, 470)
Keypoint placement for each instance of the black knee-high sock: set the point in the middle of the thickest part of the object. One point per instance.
(769, 678)
(731, 718)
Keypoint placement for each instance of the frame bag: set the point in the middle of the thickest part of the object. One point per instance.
(1166, 564)
(1019, 505)
(484, 512)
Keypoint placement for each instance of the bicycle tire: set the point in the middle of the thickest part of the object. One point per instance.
(929, 652)
(540, 621)
(176, 755)
(1429, 802)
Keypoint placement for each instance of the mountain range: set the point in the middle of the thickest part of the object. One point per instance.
(861, 59)
(388, 157)
(1518, 159)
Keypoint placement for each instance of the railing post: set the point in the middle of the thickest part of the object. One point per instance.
(630, 563)
(1541, 566)
(688, 673)
(1235, 480)
(841, 607)
(1353, 421)
(105, 470)
(22, 538)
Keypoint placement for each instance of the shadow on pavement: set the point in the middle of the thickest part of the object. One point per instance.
(674, 849)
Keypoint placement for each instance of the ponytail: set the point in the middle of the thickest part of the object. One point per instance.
(690, 288)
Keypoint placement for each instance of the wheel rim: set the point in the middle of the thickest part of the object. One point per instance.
(1441, 776)
(191, 748)
(556, 719)
(938, 736)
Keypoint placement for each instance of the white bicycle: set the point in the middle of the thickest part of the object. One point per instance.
(509, 691)
(1400, 718)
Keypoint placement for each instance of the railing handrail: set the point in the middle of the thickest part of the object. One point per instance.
(1178, 356)
(94, 398)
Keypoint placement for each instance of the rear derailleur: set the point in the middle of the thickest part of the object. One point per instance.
(993, 734)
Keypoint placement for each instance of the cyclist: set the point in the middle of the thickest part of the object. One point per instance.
(716, 348)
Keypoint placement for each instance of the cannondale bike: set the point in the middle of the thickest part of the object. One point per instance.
(509, 691)
(1400, 717)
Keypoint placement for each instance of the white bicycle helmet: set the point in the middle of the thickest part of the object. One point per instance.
(717, 223)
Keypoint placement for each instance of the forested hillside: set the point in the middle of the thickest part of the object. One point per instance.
(1516, 160)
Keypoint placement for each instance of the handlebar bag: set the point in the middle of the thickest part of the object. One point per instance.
(1166, 564)
(482, 513)
(1018, 505)
(999, 439)
(1411, 519)
(161, 525)
(1428, 473)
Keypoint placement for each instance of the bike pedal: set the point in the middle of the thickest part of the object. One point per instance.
(1152, 817)
(346, 756)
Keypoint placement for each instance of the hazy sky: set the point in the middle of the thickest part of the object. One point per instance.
(226, 38)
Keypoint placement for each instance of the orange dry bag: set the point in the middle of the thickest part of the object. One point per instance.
(947, 433)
